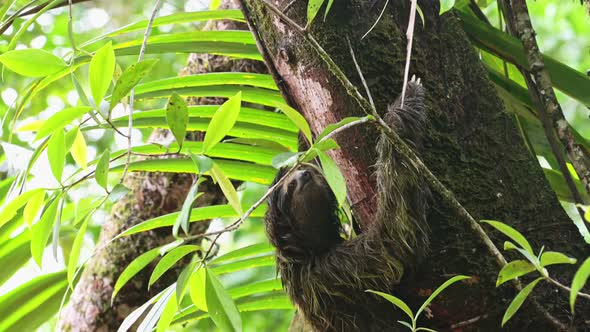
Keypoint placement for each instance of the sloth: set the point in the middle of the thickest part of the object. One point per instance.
(327, 276)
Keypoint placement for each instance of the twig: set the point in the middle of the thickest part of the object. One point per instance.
(358, 69)
(146, 35)
(565, 288)
(410, 37)
(407, 153)
(576, 152)
(468, 322)
(377, 21)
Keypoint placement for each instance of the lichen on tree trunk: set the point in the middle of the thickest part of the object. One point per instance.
(472, 146)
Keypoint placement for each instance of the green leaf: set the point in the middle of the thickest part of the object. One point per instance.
(75, 254)
(169, 260)
(42, 230)
(252, 250)
(177, 117)
(61, 119)
(285, 159)
(56, 152)
(333, 176)
(133, 268)
(197, 288)
(118, 191)
(202, 163)
(439, 290)
(79, 150)
(183, 281)
(130, 78)
(406, 324)
(28, 306)
(227, 188)
(102, 67)
(511, 233)
(579, 281)
(130, 320)
(518, 300)
(553, 257)
(185, 213)
(223, 120)
(14, 254)
(446, 5)
(395, 301)
(513, 270)
(11, 208)
(328, 7)
(152, 317)
(313, 7)
(197, 214)
(102, 170)
(167, 314)
(266, 260)
(271, 285)
(222, 308)
(296, 118)
(214, 4)
(32, 62)
(33, 206)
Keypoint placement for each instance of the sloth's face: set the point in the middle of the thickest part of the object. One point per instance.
(309, 202)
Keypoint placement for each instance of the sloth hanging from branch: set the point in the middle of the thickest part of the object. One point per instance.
(326, 276)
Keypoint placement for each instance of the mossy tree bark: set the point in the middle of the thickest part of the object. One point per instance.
(472, 146)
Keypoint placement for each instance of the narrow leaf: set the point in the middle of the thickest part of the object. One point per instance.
(197, 288)
(439, 290)
(75, 254)
(79, 150)
(118, 191)
(518, 300)
(183, 281)
(33, 206)
(185, 213)
(102, 67)
(133, 268)
(553, 257)
(169, 260)
(331, 127)
(167, 314)
(513, 270)
(42, 230)
(227, 188)
(56, 152)
(13, 206)
(32, 62)
(313, 7)
(296, 118)
(202, 163)
(579, 281)
(130, 77)
(61, 119)
(152, 317)
(222, 308)
(333, 176)
(223, 120)
(102, 170)
(395, 301)
(511, 233)
(177, 117)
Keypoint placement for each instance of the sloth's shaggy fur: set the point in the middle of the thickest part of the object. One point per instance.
(326, 276)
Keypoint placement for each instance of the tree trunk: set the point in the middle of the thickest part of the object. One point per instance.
(472, 146)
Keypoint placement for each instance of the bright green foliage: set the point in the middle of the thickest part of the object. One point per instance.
(519, 300)
(185, 213)
(134, 267)
(223, 120)
(32, 62)
(177, 117)
(579, 281)
(42, 230)
(102, 170)
(220, 305)
(56, 152)
(129, 79)
(333, 176)
(61, 119)
(102, 67)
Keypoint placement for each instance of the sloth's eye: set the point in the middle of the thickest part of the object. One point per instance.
(292, 186)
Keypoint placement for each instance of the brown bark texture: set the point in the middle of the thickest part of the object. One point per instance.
(152, 195)
(472, 145)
